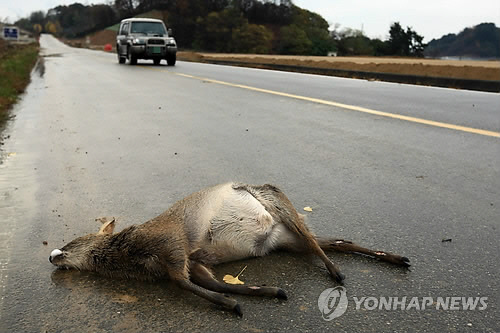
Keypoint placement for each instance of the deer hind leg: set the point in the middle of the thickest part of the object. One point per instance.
(340, 245)
(202, 276)
(309, 244)
(282, 211)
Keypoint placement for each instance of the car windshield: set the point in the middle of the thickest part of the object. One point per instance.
(148, 28)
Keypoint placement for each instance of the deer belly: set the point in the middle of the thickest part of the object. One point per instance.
(244, 235)
(239, 226)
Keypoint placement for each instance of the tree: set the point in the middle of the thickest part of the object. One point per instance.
(266, 12)
(24, 24)
(398, 40)
(251, 38)
(37, 28)
(126, 7)
(215, 31)
(294, 41)
(255, 26)
(34, 22)
(53, 28)
(316, 29)
(405, 43)
(417, 45)
(37, 17)
(102, 16)
(352, 42)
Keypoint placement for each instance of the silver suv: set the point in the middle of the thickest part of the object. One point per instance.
(145, 38)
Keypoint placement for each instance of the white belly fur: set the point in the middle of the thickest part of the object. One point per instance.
(238, 223)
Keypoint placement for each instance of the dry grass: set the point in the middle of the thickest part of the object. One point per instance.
(475, 70)
(359, 60)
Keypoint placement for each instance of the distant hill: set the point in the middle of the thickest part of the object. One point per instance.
(481, 41)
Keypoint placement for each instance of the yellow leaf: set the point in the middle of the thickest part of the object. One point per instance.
(228, 278)
(308, 209)
(232, 279)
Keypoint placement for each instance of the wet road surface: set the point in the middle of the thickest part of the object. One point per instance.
(92, 138)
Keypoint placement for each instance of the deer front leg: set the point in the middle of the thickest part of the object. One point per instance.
(217, 298)
(346, 246)
(177, 268)
(202, 276)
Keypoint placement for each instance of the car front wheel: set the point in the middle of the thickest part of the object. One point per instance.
(171, 58)
(132, 60)
(121, 59)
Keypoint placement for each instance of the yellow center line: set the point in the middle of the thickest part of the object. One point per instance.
(349, 107)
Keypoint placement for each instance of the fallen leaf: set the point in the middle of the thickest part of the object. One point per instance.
(308, 209)
(229, 279)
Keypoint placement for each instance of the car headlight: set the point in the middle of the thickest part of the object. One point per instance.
(139, 41)
(171, 41)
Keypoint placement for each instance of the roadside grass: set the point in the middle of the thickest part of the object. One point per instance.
(114, 27)
(16, 63)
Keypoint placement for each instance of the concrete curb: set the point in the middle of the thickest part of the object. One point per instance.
(477, 85)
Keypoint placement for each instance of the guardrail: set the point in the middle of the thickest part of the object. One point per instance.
(466, 84)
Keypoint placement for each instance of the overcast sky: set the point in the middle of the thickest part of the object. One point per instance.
(429, 18)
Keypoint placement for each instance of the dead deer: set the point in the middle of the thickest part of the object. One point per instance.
(219, 224)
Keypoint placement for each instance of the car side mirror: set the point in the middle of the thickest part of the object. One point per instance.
(170, 32)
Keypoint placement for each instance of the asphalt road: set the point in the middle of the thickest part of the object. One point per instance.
(93, 138)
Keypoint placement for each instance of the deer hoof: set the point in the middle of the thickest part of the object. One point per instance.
(281, 294)
(237, 310)
(339, 277)
(405, 261)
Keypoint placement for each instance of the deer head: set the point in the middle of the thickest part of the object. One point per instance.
(77, 254)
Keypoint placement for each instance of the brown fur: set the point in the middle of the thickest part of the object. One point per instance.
(218, 224)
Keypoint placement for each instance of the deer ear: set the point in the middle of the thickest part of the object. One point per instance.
(107, 228)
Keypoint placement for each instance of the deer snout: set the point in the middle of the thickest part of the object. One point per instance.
(54, 254)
